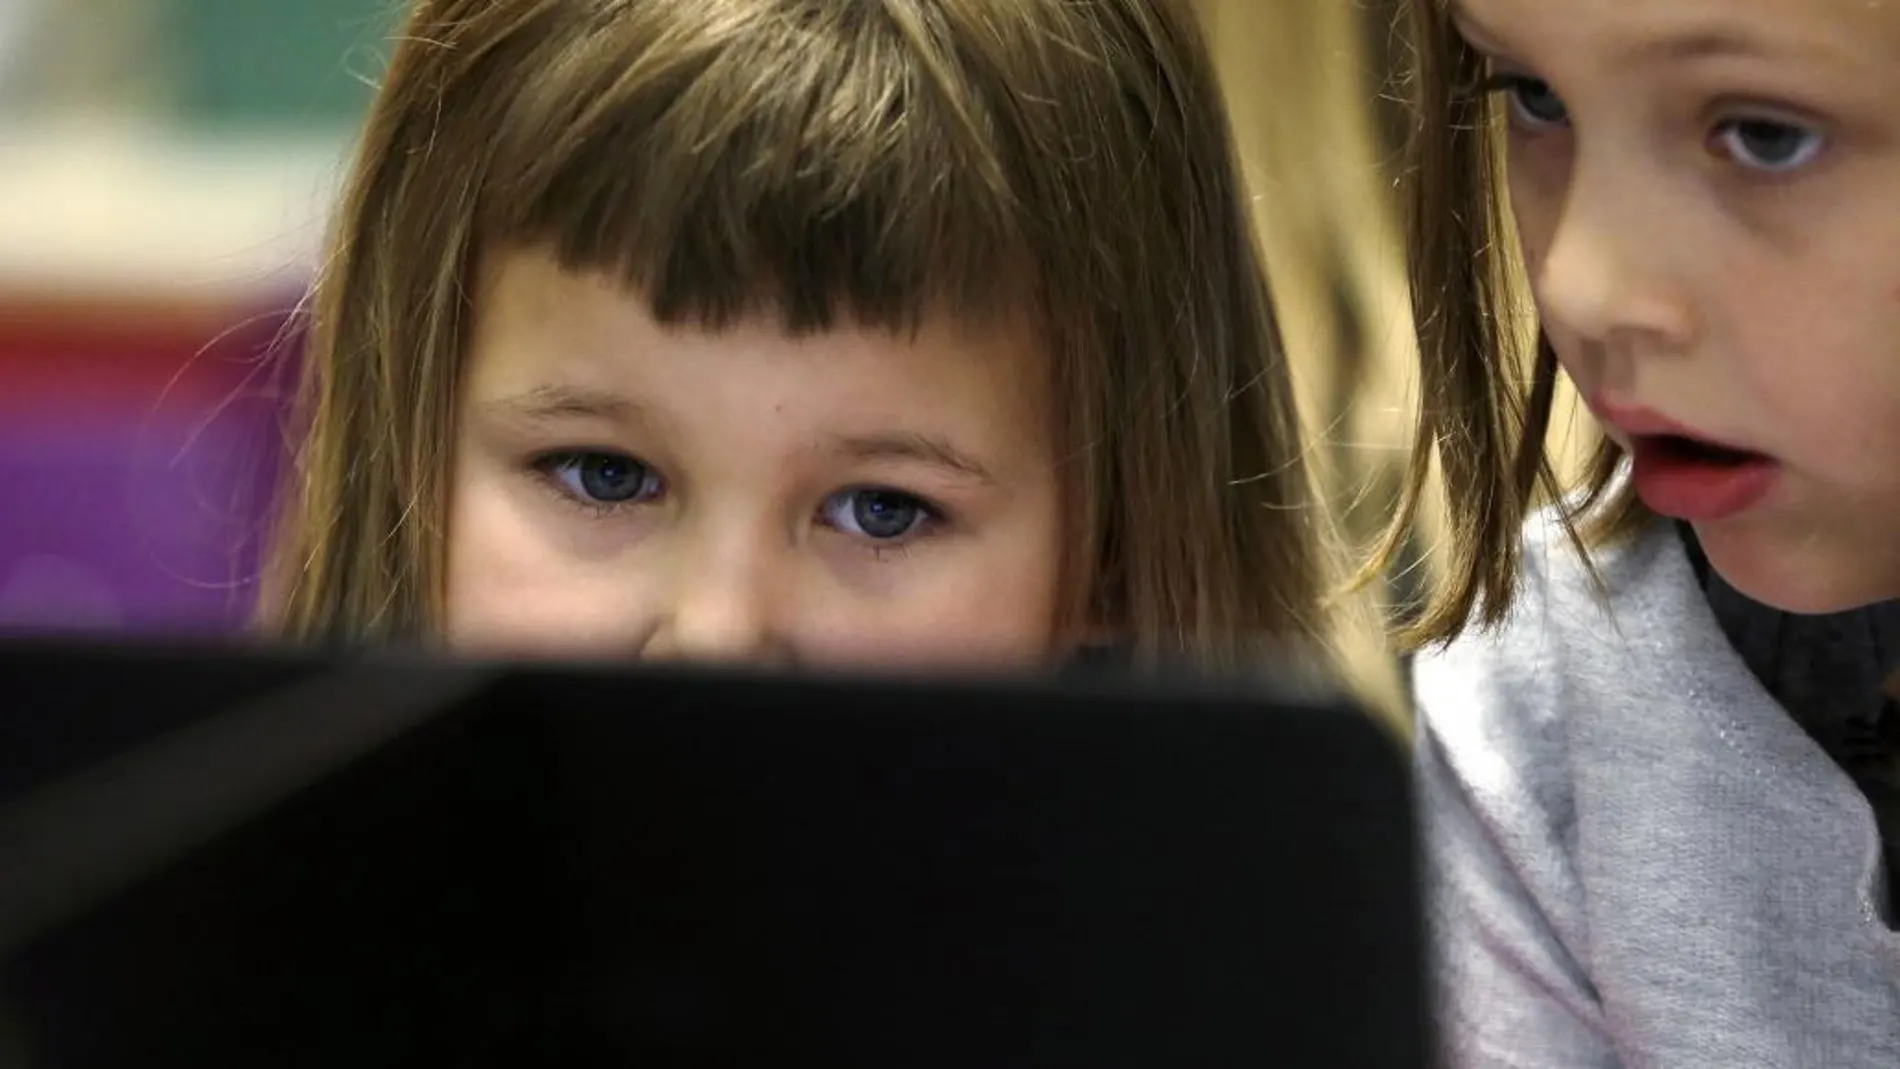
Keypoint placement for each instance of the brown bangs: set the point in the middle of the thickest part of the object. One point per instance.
(811, 161)
(862, 163)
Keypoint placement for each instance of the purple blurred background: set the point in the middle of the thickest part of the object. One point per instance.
(165, 175)
(138, 447)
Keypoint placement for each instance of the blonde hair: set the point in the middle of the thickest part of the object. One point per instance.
(1489, 381)
(876, 160)
(1301, 76)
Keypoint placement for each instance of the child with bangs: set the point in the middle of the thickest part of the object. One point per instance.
(902, 332)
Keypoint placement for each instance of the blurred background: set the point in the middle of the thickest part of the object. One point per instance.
(165, 169)
(165, 166)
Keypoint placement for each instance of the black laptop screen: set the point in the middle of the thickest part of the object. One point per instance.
(679, 869)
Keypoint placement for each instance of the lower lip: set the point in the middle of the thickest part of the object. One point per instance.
(1698, 491)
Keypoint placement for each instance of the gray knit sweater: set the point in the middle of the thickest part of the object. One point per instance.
(1638, 858)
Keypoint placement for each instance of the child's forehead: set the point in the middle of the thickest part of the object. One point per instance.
(558, 318)
(529, 280)
(1662, 30)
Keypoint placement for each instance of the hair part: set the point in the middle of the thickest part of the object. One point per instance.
(874, 162)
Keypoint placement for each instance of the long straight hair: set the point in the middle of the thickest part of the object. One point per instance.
(1299, 75)
(1488, 378)
(878, 161)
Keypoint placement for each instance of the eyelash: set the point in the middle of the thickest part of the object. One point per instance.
(930, 520)
(1509, 85)
(551, 468)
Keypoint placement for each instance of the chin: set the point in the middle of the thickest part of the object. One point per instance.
(1808, 578)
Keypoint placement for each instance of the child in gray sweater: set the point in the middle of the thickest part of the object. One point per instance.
(1637, 855)
(1656, 756)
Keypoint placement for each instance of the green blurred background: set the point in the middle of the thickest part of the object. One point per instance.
(249, 62)
(204, 63)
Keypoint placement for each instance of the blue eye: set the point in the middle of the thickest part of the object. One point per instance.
(603, 478)
(880, 515)
(1533, 103)
(1768, 144)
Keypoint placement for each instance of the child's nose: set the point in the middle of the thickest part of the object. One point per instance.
(722, 609)
(1604, 275)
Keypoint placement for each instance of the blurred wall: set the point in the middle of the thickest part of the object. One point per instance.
(165, 169)
(1302, 78)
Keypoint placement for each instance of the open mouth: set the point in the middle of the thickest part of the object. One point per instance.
(1678, 449)
(1694, 479)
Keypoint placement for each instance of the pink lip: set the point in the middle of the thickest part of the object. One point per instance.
(1636, 421)
(1685, 484)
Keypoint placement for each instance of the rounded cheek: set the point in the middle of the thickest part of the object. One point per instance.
(974, 605)
(508, 593)
(1833, 406)
(1531, 217)
(536, 621)
(985, 628)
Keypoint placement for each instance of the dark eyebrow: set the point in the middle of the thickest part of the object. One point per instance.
(551, 402)
(918, 448)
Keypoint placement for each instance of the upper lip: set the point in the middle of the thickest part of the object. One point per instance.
(1637, 421)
